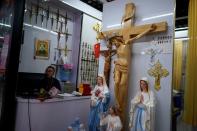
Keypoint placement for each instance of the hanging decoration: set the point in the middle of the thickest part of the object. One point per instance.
(37, 11)
(97, 50)
(97, 28)
(42, 49)
(157, 71)
(47, 16)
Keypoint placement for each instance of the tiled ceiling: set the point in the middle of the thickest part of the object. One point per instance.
(181, 10)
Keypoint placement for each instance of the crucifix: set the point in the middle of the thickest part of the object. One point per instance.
(122, 39)
(66, 50)
(157, 71)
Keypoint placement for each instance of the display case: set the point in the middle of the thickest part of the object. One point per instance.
(56, 26)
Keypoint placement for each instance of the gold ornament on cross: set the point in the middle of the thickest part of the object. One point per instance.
(157, 71)
(97, 28)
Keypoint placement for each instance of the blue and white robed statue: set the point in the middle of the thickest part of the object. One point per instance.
(142, 108)
(99, 104)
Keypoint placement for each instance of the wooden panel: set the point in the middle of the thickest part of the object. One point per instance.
(135, 30)
(160, 27)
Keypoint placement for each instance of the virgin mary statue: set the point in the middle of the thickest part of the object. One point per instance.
(99, 104)
(142, 108)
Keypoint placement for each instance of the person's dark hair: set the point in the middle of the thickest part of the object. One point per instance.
(49, 67)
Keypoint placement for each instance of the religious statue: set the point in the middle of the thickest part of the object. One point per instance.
(100, 98)
(123, 51)
(122, 39)
(142, 108)
(112, 120)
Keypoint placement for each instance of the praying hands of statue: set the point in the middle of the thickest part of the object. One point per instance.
(141, 99)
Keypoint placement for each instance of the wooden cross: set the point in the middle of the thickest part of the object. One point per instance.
(157, 71)
(59, 36)
(122, 39)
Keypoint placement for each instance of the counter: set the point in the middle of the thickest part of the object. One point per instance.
(51, 115)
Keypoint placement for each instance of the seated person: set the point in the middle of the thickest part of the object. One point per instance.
(49, 85)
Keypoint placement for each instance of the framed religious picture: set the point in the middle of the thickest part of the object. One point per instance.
(42, 49)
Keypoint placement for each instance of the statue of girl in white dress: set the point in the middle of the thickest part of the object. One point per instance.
(112, 120)
(142, 108)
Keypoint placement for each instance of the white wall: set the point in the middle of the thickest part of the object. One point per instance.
(85, 8)
(88, 34)
(141, 63)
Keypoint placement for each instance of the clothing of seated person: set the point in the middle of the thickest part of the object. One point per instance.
(49, 82)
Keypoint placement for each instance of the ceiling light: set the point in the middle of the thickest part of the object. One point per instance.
(182, 28)
(114, 25)
(157, 16)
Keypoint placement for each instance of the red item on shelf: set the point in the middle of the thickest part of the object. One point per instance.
(86, 90)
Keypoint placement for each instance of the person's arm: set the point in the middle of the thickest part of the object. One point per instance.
(152, 28)
(57, 84)
(94, 90)
(136, 99)
(42, 84)
(105, 94)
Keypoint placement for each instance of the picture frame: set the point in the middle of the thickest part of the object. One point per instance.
(42, 49)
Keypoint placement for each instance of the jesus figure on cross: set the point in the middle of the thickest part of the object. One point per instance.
(122, 39)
